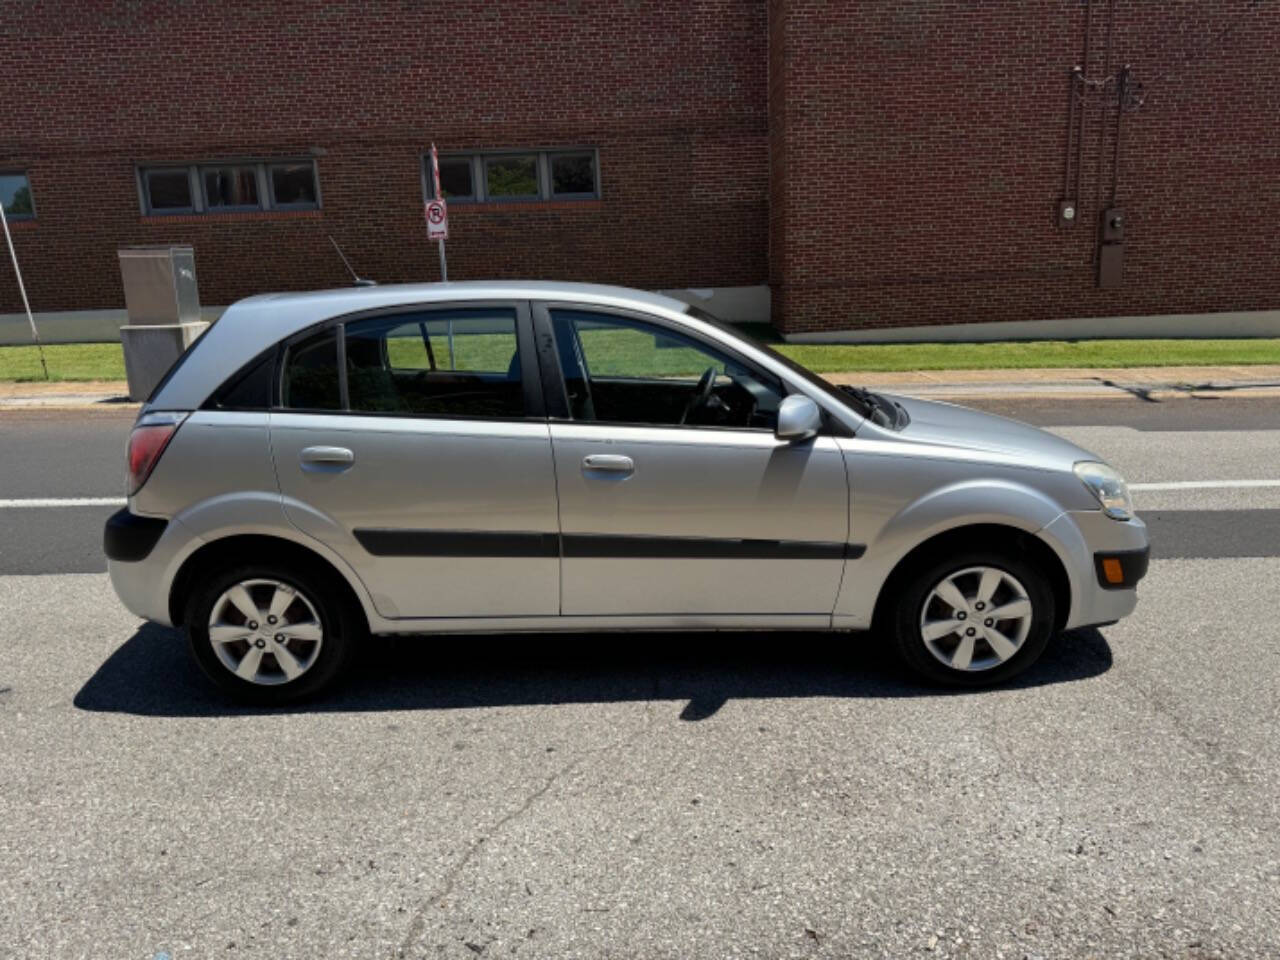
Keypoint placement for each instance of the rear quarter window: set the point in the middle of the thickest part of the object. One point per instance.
(310, 377)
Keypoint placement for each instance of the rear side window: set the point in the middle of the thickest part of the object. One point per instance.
(456, 363)
(310, 379)
(249, 389)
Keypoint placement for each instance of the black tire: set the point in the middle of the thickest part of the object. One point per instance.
(916, 586)
(341, 626)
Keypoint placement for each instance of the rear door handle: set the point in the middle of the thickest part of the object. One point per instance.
(608, 463)
(326, 459)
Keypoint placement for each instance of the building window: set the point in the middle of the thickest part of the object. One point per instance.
(510, 176)
(229, 187)
(15, 196)
(293, 185)
(456, 182)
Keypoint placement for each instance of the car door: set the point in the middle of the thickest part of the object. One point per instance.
(413, 442)
(673, 507)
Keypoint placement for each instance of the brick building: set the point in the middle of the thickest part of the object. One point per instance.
(875, 164)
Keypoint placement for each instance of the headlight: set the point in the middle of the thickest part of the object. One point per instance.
(1108, 487)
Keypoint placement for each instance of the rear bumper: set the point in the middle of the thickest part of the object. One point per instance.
(142, 556)
(129, 537)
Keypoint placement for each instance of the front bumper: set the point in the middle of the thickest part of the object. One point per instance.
(1084, 539)
(1121, 570)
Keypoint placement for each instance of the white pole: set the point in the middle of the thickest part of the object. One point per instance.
(13, 254)
(435, 182)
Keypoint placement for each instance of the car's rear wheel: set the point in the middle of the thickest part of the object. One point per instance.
(975, 619)
(270, 633)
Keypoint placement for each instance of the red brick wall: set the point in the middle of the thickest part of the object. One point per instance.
(918, 146)
(672, 95)
(925, 145)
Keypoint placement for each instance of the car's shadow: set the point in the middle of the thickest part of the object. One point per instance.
(151, 674)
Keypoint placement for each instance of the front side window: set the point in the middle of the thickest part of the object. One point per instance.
(310, 379)
(454, 363)
(15, 196)
(621, 370)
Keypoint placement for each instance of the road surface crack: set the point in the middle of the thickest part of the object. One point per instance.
(419, 920)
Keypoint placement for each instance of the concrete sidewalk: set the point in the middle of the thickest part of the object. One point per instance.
(1154, 383)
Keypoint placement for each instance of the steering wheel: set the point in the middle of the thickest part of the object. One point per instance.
(701, 393)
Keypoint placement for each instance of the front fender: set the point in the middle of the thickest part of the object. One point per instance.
(890, 536)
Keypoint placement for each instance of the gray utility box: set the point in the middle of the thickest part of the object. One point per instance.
(163, 302)
(160, 284)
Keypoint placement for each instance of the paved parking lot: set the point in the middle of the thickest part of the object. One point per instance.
(659, 796)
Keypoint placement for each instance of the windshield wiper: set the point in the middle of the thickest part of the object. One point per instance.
(880, 410)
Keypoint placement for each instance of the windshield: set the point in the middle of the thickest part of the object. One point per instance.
(830, 389)
(868, 405)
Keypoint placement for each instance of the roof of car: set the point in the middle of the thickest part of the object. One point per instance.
(249, 326)
(322, 304)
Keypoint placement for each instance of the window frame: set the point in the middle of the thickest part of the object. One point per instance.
(556, 391)
(478, 160)
(199, 201)
(193, 191)
(238, 208)
(268, 165)
(21, 217)
(530, 379)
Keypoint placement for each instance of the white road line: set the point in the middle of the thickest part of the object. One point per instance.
(1207, 485)
(64, 502)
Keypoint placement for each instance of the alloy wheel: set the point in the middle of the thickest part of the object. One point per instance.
(976, 619)
(265, 631)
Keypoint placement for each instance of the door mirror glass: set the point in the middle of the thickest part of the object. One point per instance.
(798, 418)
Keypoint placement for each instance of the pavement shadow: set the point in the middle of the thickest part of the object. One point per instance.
(151, 674)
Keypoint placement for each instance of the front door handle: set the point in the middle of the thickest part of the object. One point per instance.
(326, 459)
(608, 463)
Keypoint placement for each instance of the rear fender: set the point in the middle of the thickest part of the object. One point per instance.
(259, 513)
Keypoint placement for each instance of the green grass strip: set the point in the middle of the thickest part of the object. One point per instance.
(105, 361)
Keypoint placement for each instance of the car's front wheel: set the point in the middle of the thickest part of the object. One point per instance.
(975, 619)
(269, 633)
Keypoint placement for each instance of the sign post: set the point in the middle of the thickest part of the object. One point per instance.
(17, 272)
(438, 215)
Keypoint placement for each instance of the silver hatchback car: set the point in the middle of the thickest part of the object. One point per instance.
(499, 457)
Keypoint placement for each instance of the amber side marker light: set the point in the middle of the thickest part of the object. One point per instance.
(1112, 570)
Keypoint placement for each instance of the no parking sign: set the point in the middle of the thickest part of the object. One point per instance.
(437, 220)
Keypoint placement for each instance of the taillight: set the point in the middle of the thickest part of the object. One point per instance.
(151, 434)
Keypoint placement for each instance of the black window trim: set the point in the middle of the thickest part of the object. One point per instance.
(558, 394)
(529, 372)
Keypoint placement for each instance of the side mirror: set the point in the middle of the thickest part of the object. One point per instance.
(798, 419)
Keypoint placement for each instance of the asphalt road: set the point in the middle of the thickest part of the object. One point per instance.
(636, 796)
